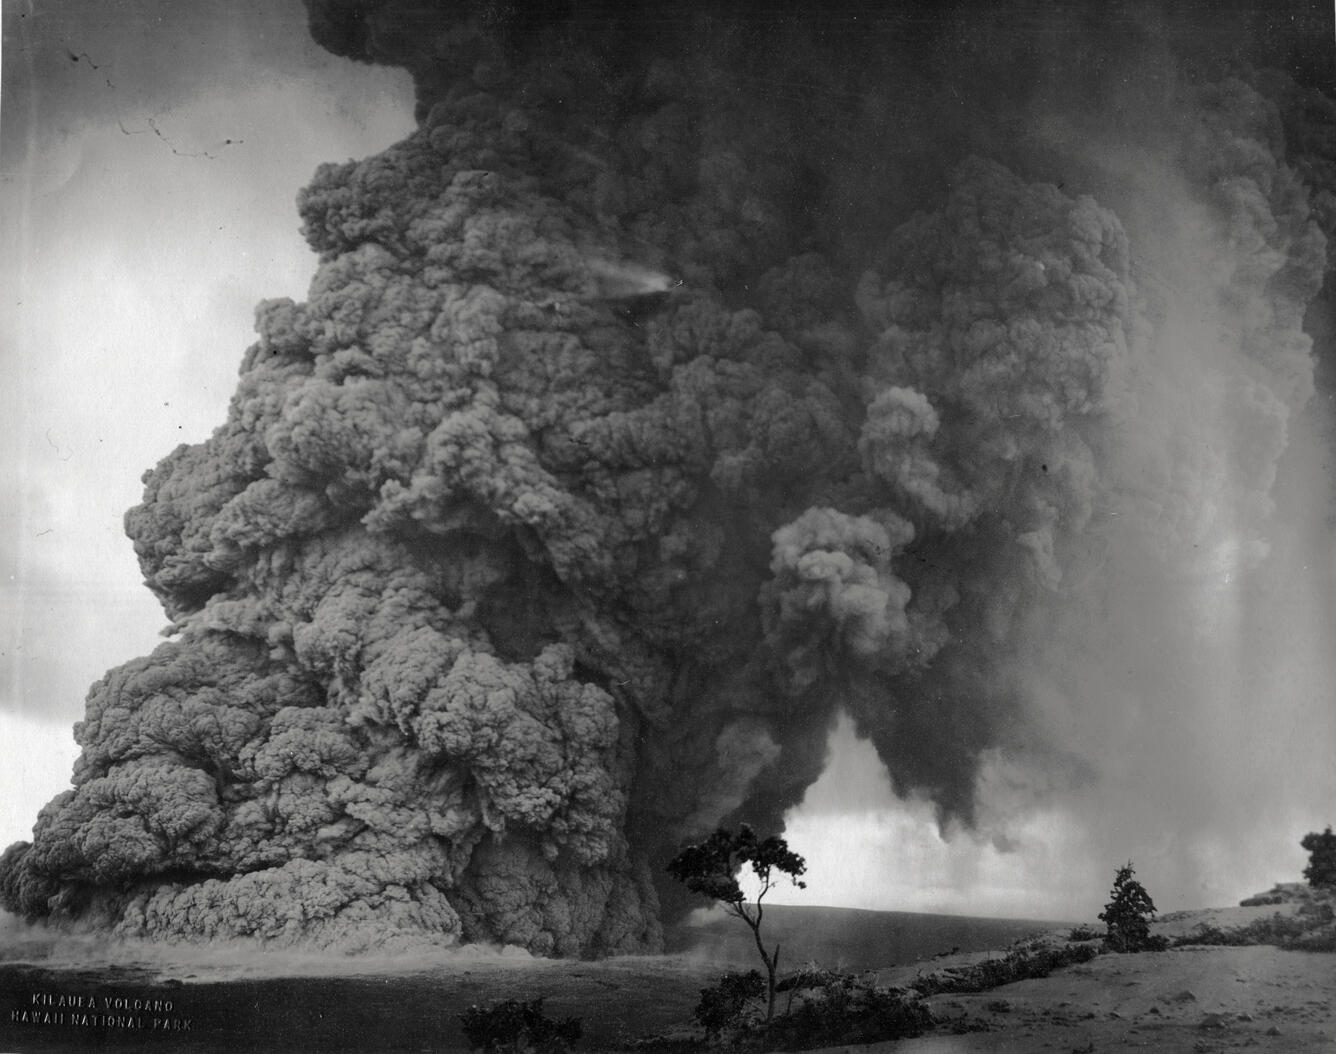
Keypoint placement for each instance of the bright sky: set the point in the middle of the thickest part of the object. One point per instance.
(150, 165)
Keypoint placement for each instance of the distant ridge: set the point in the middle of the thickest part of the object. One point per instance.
(852, 938)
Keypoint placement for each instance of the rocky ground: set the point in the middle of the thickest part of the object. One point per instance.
(1188, 998)
(1194, 999)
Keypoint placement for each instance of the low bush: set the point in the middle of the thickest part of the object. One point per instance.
(1319, 912)
(1020, 964)
(514, 1027)
(1323, 940)
(810, 975)
(1311, 928)
(1210, 936)
(846, 1011)
(737, 1001)
(825, 1008)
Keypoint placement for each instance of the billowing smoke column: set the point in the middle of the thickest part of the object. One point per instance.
(665, 396)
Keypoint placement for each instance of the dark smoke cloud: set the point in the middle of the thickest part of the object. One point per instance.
(676, 388)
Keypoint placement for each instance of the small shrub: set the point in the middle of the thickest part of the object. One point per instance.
(1020, 964)
(513, 1027)
(1128, 915)
(810, 975)
(1210, 936)
(846, 1011)
(826, 1008)
(1084, 932)
(735, 1002)
(1314, 942)
(1321, 911)
(1310, 928)
(1321, 869)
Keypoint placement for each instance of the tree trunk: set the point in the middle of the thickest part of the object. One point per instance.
(772, 964)
(771, 967)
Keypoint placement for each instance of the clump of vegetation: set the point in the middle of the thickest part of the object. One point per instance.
(1311, 928)
(514, 1027)
(734, 1003)
(1024, 962)
(1320, 936)
(1321, 869)
(711, 869)
(810, 975)
(1084, 932)
(845, 1010)
(824, 1008)
(1128, 915)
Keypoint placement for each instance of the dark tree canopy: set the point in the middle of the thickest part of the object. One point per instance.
(1128, 913)
(711, 867)
(1321, 869)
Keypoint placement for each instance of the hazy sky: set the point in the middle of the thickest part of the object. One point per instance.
(151, 158)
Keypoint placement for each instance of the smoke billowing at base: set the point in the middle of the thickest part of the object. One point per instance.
(691, 380)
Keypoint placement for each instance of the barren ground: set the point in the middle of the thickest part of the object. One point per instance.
(1193, 998)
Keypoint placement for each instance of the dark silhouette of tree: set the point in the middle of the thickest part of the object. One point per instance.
(1128, 914)
(711, 869)
(1321, 869)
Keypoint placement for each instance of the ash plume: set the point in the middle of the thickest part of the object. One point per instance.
(675, 389)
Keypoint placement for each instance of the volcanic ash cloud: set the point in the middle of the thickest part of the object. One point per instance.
(640, 420)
